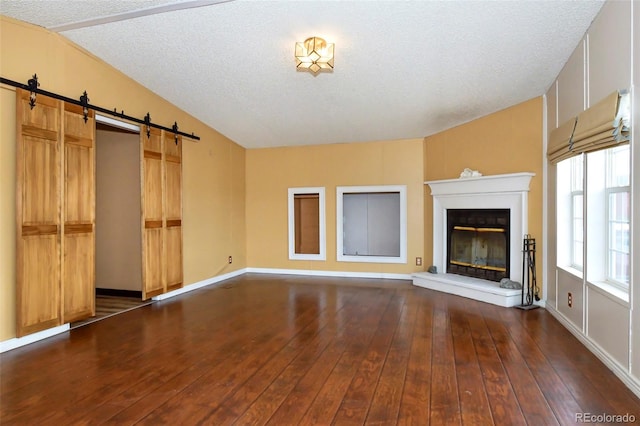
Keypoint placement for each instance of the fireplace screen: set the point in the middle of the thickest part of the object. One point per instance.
(478, 243)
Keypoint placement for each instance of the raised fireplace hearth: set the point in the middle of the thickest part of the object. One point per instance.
(478, 226)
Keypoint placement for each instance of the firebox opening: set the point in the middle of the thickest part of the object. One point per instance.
(478, 243)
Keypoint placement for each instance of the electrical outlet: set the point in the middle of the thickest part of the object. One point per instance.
(230, 259)
(418, 261)
(569, 299)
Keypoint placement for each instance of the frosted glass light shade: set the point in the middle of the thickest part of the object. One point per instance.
(314, 54)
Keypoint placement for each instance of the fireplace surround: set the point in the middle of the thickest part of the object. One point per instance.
(502, 192)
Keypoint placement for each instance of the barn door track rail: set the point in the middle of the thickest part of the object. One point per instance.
(33, 87)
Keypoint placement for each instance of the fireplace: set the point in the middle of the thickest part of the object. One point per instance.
(478, 243)
(483, 248)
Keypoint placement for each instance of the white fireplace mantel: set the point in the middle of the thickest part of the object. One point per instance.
(507, 191)
(513, 182)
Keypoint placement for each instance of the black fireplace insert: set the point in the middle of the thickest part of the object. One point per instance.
(478, 243)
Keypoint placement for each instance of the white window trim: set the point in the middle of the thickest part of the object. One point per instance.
(340, 191)
(291, 218)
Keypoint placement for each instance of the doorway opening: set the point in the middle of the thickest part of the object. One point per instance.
(118, 260)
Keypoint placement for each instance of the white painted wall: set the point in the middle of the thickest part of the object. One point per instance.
(603, 62)
(569, 284)
(605, 314)
(609, 50)
(571, 85)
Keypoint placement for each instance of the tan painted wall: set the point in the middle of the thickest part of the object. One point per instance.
(7, 214)
(118, 191)
(508, 141)
(214, 167)
(270, 172)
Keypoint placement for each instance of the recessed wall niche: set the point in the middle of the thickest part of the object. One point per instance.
(306, 216)
(371, 224)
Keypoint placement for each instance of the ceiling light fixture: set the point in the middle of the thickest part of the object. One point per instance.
(314, 54)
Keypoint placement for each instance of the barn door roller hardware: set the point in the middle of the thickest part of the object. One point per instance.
(33, 87)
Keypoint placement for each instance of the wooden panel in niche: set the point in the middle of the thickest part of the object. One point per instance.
(307, 223)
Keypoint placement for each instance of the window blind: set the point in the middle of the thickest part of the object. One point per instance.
(559, 140)
(603, 125)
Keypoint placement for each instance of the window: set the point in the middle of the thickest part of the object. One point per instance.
(594, 217)
(371, 224)
(577, 212)
(306, 215)
(570, 213)
(618, 210)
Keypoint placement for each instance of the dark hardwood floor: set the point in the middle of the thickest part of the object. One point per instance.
(107, 306)
(287, 350)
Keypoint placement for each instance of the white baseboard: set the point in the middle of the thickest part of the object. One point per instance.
(17, 342)
(623, 374)
(199, 284)
(343, 274)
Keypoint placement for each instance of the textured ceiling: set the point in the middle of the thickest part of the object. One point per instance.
(402, 69)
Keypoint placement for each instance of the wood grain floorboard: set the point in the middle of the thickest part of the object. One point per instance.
(474, 405)
(356, 402)
(293, 350)
(387, 397)
(415, 400)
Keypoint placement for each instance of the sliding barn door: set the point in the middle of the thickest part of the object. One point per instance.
(173, 210)
(55, 214)
(161, 169)
(38, 168)
(78, 244)
(152, 215)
